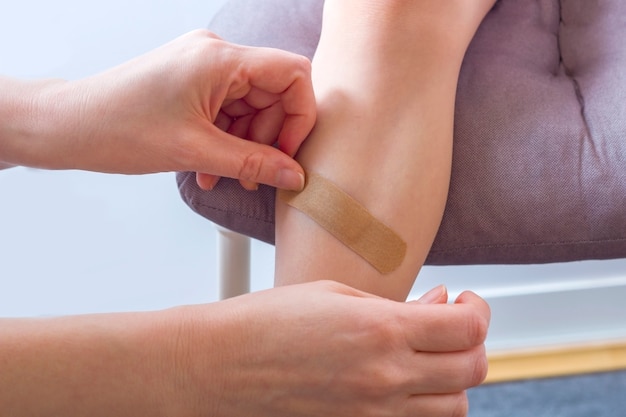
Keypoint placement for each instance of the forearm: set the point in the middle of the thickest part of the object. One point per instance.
(386, 93)
(94, 365)
(197, 103)
(252, 355)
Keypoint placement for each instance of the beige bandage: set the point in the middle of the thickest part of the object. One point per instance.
(347, 220)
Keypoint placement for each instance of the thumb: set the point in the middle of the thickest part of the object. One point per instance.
(252, 162)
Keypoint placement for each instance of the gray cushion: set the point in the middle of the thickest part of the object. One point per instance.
(539, 170)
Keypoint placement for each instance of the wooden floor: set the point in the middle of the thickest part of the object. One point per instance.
(553, 362)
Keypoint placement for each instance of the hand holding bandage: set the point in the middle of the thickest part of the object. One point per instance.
(347, 220)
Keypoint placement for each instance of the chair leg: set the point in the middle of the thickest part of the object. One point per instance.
(233, 263)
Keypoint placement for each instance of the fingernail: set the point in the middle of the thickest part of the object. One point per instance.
(249, 185)
(433, 295)
(290, 180)
(206, 182)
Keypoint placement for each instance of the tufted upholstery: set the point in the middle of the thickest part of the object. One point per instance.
(539, 165)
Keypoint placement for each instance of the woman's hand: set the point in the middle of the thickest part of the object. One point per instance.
(196, 104)
(325, 349)
(316, 349)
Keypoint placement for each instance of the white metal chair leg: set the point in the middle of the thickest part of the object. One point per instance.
(233, 263)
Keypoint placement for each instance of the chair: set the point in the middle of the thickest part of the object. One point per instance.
(538, 167)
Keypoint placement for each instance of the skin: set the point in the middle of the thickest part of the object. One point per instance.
(316, 349)
(168, 111)
(313, 349)
(385, 77)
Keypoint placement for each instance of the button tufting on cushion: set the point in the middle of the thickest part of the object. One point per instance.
(539, 165)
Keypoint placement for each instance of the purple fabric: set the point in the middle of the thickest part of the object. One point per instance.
(539, 170)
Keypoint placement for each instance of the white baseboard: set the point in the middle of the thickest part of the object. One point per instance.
(533, 306)
(558, 315)
(543, 306)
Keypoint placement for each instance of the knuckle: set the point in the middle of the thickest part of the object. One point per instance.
(203, 34)
(392, 379)
(331, 286)
(477, 327)
(251, 167)
(297, 61)
(387, 337)
(300, 66)
(382, 382)
(480, 367)
(460, 405)
(303, 63)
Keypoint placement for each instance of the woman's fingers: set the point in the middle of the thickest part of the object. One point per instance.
(288, 76)
(270, 101)
(442, 373)
(451, 328)
(448, 405)
(252, 163)
(438, 295)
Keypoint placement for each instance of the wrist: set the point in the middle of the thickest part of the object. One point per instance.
(199, 353)
(217, 355)
(30, 122)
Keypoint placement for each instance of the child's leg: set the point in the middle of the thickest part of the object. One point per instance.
(385, 75)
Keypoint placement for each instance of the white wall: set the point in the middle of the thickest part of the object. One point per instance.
(73, 242)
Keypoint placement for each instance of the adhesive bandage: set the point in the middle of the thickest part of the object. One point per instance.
(348, 221)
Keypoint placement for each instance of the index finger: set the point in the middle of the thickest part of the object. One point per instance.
(289, 76)
(447, 327)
